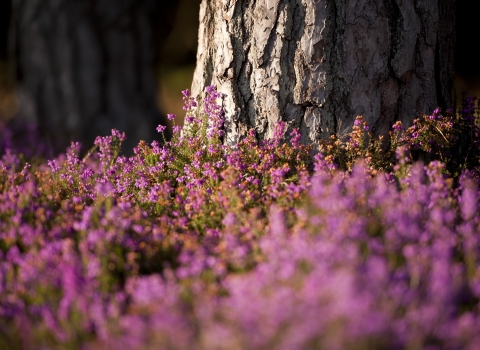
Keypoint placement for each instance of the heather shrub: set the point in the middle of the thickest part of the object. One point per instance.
(452, 138)
(369, 244)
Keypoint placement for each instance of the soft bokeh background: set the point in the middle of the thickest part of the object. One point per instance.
(177, 60)
(467, 62)
(174, 68)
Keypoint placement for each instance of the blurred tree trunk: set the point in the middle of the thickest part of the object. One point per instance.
(85, 67)
(318, 64)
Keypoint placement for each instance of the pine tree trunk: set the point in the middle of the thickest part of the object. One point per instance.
(317, 64)
(84, 67)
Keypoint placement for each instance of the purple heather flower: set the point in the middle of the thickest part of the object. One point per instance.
(87, 174)
(229, 220)
(104, 189)
(279, 130)
(295, 137)
(52, 164)
(469, 206)
(397, 126)
(117, 134)
(161, 128)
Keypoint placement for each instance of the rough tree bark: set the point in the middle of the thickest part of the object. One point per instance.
(85, 67)
(317, 64)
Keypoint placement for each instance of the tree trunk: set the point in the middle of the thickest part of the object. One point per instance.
(317, 64)
(85, 67)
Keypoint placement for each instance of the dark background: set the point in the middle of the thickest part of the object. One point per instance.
(177, 45)
(177, 38)
(467, 62)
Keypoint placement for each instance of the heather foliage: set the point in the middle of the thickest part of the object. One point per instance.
(189, 244)
(445, 136)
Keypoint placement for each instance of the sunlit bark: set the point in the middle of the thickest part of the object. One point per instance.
(317, 64)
